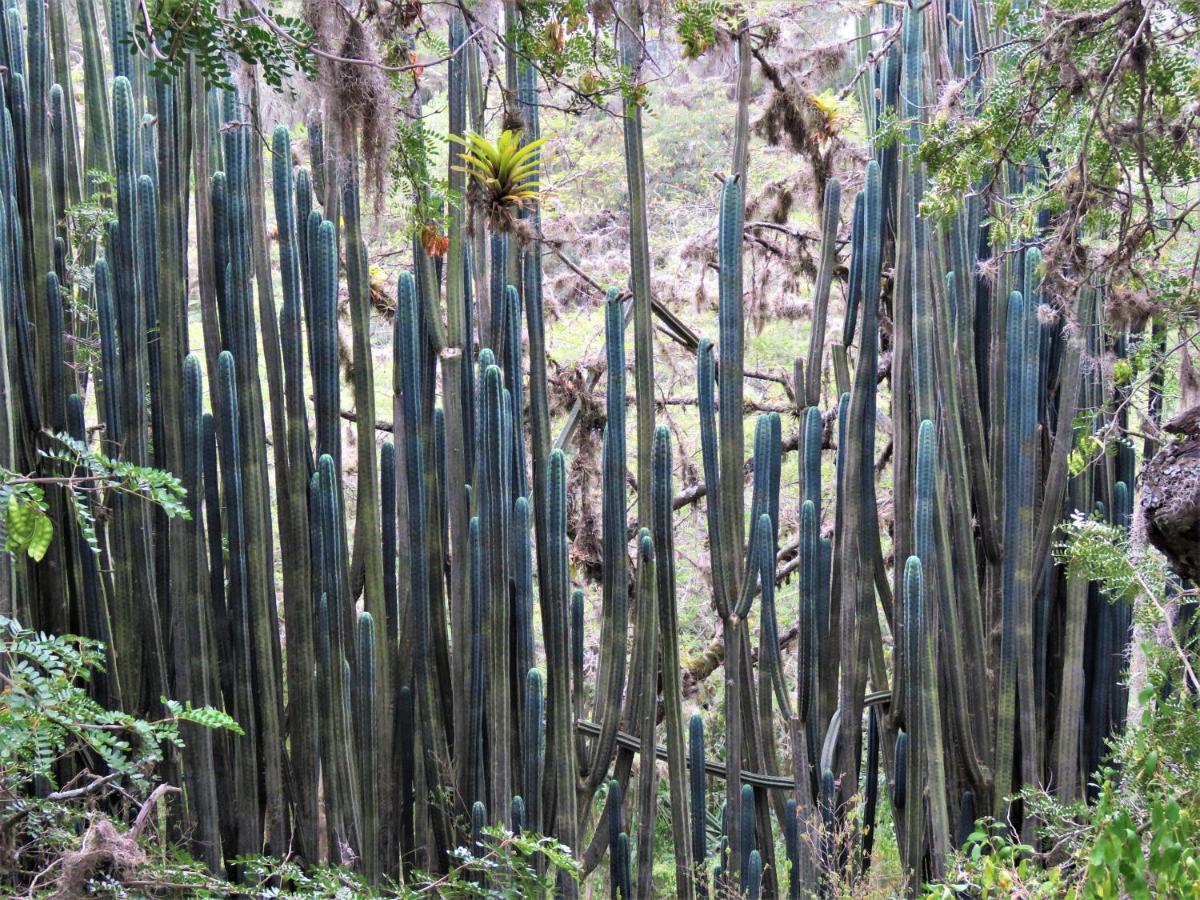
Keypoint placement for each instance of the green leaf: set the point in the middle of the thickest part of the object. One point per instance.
(43, 533)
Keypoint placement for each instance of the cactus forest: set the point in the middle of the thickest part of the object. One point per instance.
(325, 574)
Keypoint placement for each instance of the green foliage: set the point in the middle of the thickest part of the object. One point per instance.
(509, 865)
(46, 713)
(1141, 836)
(558, 40)
(414, 163)
(1116, 89)
(1140, 839)
(1147, 817)
(992, 865)
(172, 31)
(1097, 551)
(88, 220)
(154, 485)
(27, 528)
(696, 23)
(507, 171)
(286, 878)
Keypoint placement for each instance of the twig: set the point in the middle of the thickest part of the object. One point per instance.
(283, 34)
(143, 815)
(91, 786)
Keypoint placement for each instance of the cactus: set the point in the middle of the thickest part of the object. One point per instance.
(97, 141)
(697, 803)
(630, 50)
(1020, 402)
(668, 630)
(367, 557)
(430, 732)
(521, 566)
(533, 737)
(249, 832)
(95, 613)
(194, 678)
(754, 876)
(747, 836)
(494, 527)
(294, 515)
(323, 260)
(366, 738)
(871, 799)
(613, 820)
(816, 341)
(643, 710)
(791, 840)
(564, 659)
(625, 884)
(611, 679)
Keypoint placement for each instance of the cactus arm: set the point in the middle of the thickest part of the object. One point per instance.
(611, 679)
(668, 630)
(474, 786)
(731, 450)
(249, 832)
(521, 567)
(366, 736)
(430, 731)
(1011, 606)
(457, 391)
(644, 711)
(193, 654)
(1067, 744)
(857, 600)
(816, 342)
(533, 739)
(630, 48)
(493, 518)
(705, 376)
(564, 671)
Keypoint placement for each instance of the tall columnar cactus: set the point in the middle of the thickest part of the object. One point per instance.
(554, 619)
(194, 675)
(494, 522)
(698, 804)
(532, 738)
(475, 784)
(242, 340)
(430, 732)
(1015, 688)
(619, 876)
(643, 710)
(293, 497)
(522, 652)
(561, 708)
(668, 630)
(856, 601)
(337, 644)
(366, 739)
(366, 559)
(249, 831)
(816, 341)
(611, 679)
(631, 48)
